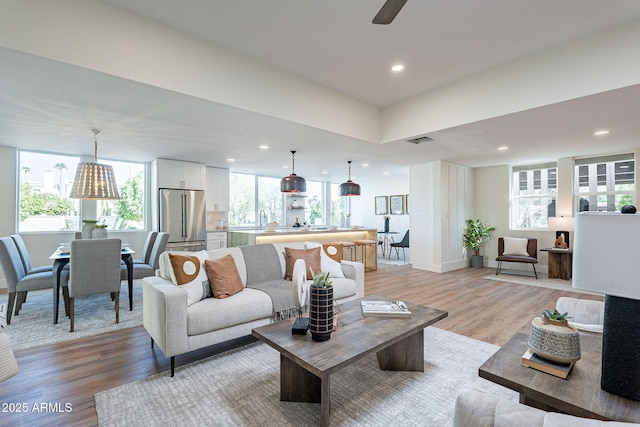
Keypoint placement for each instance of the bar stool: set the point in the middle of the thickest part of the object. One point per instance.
(364, 245)
(350, 246)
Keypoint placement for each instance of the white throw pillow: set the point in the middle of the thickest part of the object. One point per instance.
(189, 272)
(327, 265)
(515, 246)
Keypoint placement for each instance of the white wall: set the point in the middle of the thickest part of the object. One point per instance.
(362, 207)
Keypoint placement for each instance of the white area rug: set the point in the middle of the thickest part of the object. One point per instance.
(94, 315)
(241, 388)
(543, 281)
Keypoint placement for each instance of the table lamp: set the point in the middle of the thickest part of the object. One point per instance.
(606, 260)
(562, 225)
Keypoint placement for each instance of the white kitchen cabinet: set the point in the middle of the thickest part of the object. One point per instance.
(217, 189)
(216, 241)
(180, 174)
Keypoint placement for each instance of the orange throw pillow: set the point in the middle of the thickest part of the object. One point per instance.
(311, 257)
(224, 278)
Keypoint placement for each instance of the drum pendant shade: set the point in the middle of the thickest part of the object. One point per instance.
(349, 188)
(293, 183)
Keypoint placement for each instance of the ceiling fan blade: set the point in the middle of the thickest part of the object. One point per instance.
(388, 11)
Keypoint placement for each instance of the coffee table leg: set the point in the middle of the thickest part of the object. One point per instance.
(299, 385)
(405, 355)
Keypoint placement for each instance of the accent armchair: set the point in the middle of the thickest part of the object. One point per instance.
(522, 250)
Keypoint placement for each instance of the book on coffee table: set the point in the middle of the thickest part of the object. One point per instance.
(385, 309)
(534, 361)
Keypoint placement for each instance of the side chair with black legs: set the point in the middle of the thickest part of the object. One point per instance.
(404, 243)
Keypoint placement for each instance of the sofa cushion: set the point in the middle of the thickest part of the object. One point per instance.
(188, 272)
(238, 257)
(327, 265)
(224, 278)
(311, 258)
(212, 314)
(515, 246)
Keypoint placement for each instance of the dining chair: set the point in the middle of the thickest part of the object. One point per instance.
(149, 268)
(145, 255)
(404, 243)
(18, 281)
(24, 256)
(94, 268)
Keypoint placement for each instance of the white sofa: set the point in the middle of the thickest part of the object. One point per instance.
(478, 409)
(178, 328)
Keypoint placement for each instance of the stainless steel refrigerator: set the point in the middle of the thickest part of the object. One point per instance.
(182, 214)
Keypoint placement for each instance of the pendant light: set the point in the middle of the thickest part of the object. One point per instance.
(293, 183)
(349, 188)
(94, 181)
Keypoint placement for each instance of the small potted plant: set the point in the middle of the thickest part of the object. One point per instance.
(321, 307)
(555, 317)
(475, 234)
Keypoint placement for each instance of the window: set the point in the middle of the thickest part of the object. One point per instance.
(604, 183)
(269, 200)
(242, 209)
(253, 196)
(534, 189)
(45, 183)
(339, 204)
(127, 213)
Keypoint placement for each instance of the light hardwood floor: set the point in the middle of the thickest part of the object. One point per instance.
(73, 372)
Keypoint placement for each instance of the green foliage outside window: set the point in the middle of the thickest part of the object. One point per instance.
(34, 204)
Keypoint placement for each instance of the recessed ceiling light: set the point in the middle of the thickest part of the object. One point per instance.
(397, 68)
(385, 173)
(365, 165)
(285, 166)
(325, 172)
(503, 148)
(231, 160)
(263, 146)
(601, 132)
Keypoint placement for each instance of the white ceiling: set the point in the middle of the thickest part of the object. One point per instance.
(50, 106)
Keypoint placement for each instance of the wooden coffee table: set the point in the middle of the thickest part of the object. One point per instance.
(580, 394)
(306, 365)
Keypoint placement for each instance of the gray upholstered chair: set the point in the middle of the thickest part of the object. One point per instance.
(149, 268)
(145, 255)
(94, 268)
(26, 260)
(18, 281)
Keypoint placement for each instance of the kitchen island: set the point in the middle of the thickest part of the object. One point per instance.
(240, 237)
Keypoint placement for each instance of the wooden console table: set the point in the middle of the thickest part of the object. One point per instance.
(560, 261)
(580, 394)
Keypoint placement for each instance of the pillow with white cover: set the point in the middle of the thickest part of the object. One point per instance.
(327, 265)
(515, 246)
(189, 272)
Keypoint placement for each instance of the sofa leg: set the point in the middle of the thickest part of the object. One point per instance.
(173, 365)
(152, 343)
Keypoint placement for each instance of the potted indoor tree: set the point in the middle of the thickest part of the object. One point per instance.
(475, 235)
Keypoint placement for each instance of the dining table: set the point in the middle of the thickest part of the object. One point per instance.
(61, 259)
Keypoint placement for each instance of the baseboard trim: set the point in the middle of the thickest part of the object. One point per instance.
(4, 291)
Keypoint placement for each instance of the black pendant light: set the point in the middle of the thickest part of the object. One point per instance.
(349, 188)
(293, 183)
